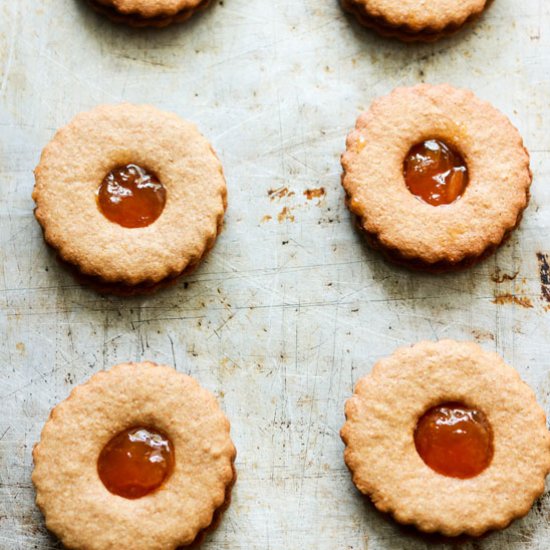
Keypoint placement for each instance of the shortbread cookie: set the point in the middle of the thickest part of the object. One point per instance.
(437, 178)
(446, 436)
(149, 13)
(413, 21)
(138, 457)
(130, 196)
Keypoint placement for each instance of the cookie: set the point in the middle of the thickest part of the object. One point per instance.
(437, 178)
(445, 436)
(130, 196)
(149, 13)
(138, 457)
(412, 21)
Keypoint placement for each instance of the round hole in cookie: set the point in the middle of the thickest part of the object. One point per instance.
(136, 462)
(435, 172)
(454, 440)
(131, 196)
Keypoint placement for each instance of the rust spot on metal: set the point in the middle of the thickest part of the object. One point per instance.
(314, 193)
(279, 193)
(499, 277)
(482, 335)
(507, 298)
(285, 214)
(544, 272)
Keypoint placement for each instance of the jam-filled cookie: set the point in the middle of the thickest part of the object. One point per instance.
(138, 457)
(130, 196)
(149, 13)
(413, 21)
(437, 178)
(447, 437)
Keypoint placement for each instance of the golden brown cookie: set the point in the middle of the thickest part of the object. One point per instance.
(413, 21)
(447, 437)
(451, 139)
(131, 196)
(138, 457)
(149, 13)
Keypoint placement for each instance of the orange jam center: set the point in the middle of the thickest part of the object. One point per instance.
(136, 462)
(435, 173)
(454, 440)
(131, 197)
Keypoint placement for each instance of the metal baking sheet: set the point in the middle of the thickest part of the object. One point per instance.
(291, 308)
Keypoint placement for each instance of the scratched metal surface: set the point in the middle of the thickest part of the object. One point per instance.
(291, 308)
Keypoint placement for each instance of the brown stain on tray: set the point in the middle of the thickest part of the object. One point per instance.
(544, 273)
(314, 193)
(279, 193)
(482, 335)
(508, 298)
(285, 214)
(499, 277)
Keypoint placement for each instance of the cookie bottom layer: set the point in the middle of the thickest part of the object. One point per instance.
(216, 517)
(135, 20)
(218, 514)
(122, 289)
(403, 33)
(394, 256)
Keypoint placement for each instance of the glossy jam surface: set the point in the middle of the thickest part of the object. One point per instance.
(454, 440)
(435, 173)
(131, 196)
(136, 462)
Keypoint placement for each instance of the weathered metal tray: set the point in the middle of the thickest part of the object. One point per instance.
(290, 308)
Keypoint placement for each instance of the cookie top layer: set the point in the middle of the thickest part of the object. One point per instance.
(77, 506)
(78, 158)
(435, 16)
(381, 453)
(498, 166)
(150, 8)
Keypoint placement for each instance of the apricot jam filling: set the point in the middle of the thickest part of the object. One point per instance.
(435, 173)
(136, 462)
(131, 196)
(454, 440)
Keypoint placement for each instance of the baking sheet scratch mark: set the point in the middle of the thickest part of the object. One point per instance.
(5, 432)
(9, 59)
